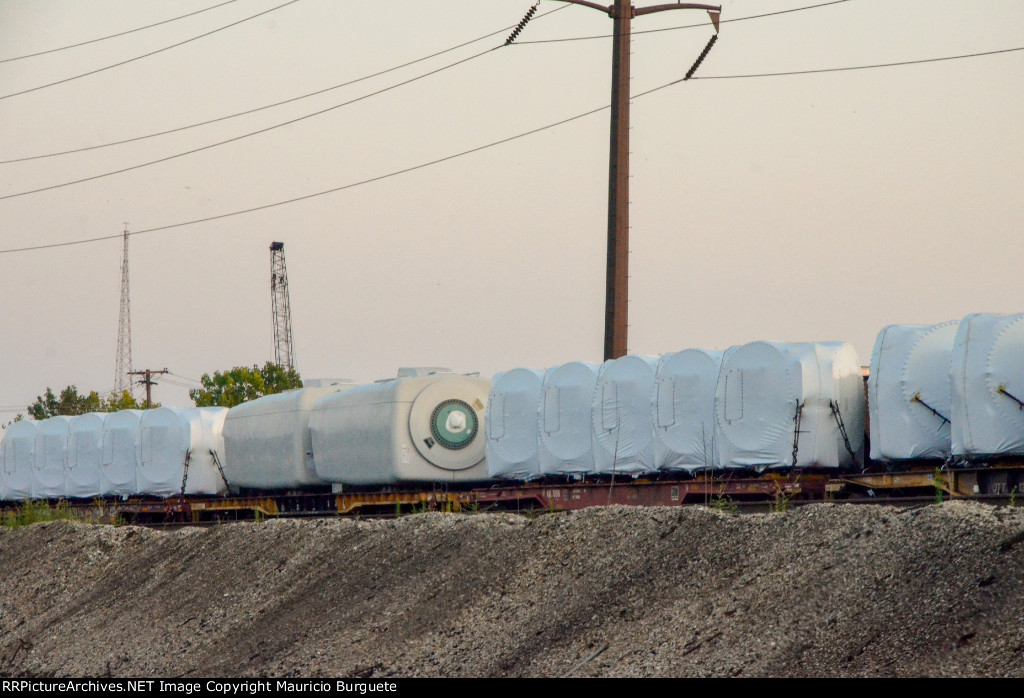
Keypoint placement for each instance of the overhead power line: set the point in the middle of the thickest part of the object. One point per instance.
(858, 67)
(250, 133)
(114, 36)
(683, 26)
(277, 104)
(477, 149)
(151, 53)
(315, 194)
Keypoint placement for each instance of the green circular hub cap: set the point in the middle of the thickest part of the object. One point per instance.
(453, 424)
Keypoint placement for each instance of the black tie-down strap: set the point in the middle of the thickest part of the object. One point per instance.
(1003, 391)
(917, 398)
(842, 428)
(184, 472)
(220, 468)
(188, 461)
(796, 429)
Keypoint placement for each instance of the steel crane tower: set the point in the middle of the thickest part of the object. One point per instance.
(123, 366)
(284, 350)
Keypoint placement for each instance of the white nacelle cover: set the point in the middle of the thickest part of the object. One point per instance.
(426, 428)
(51, 453)
(909, 395)
(166, 435)
(621, 417)
(17, 459)
(987, 383)
(682, 410)
(85, 455)
(511, 425)
(267, 444)
(120, 464)
(766, 387)
(566, 438)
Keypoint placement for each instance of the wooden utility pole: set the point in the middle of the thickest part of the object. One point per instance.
(617, 280)
(148, 381)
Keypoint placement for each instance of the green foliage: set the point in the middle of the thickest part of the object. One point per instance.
(37, 511)
(124, 401)
(17, 418)
(71, 403)
(32, 512)
(242, 384)
(723, 504)
(781, 503)
(940, 485)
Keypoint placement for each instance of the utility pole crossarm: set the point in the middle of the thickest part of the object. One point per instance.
(607, 9)
(713, 9)
(610, 9)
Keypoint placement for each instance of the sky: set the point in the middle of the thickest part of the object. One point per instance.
(818, 206)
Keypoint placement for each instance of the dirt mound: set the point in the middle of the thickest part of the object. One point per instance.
(819, 590)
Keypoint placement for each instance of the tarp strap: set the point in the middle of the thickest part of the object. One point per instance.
(1003, 391)
(184, 474)
(796, 429)
(220, 468)
(917, 398)
(842, 428)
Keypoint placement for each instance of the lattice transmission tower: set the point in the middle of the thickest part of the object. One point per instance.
(284, 350)
(123, 367)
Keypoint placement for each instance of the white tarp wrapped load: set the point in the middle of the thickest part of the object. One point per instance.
(511, 425)
(167, 435)
(424, 426)
(566, 438)
(267, 444)
(85, 455)
(17, 459)
(121, 440)
(909, 396)
(785, 405)
(621, 416)
(51, 453)
(987, 384)
(683, 410)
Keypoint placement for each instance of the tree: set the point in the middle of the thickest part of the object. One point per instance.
(124, 401)
(70, 402)
(242, 384)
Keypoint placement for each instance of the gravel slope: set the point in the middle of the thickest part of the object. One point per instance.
(820, 590)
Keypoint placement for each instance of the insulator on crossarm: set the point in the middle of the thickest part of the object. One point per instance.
(522, 23)
(701, 57)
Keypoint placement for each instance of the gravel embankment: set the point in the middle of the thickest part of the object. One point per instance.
(820, 590)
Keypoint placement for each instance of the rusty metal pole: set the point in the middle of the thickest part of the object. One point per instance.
(616, 308)
(617, 280)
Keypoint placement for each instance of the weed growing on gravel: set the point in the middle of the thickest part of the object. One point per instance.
(940, 484)
(723, 504)
(103, 513)
(32, 512)
(1013, 497)
(781, 503)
